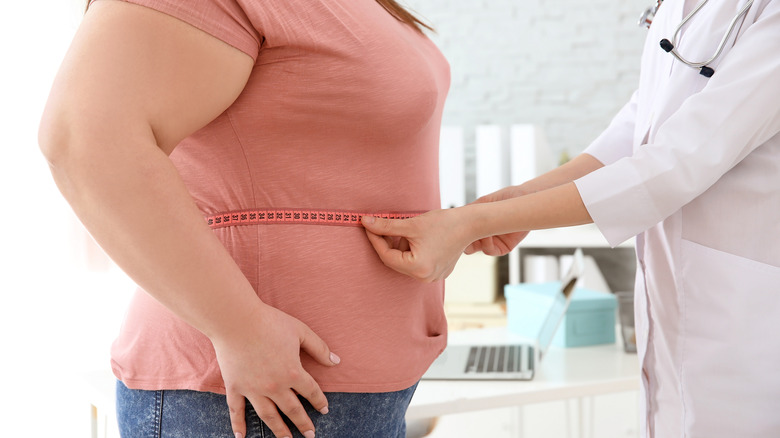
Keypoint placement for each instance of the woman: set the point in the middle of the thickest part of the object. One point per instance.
(692, 166)
(169, 119)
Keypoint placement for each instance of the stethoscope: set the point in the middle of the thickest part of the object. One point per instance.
(646, 19)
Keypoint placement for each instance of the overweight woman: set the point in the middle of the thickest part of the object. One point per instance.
(221, 152)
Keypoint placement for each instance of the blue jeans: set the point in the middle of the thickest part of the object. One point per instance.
(193, 414)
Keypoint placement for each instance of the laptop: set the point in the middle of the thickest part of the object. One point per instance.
(508, 361)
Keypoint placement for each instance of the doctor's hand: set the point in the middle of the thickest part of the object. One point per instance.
(262, 363)
(425, 247)
(504, 243)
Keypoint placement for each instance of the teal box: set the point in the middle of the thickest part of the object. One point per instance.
(590, 319)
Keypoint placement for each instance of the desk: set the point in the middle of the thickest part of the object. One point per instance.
(565, 373)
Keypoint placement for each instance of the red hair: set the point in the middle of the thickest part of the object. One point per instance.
(403, 15)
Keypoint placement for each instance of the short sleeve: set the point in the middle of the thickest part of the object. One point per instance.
(222, 19)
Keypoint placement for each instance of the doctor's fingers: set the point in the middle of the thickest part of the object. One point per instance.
(473, 247)
(409, 262)
(388, 227)
(496, 245)
(404, 262)
(484, 245)
(402, 244)
(383, 245)
(399, 243)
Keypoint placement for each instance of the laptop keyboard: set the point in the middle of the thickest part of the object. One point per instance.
(499, 358)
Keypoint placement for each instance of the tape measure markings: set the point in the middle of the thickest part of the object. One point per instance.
(343, 218)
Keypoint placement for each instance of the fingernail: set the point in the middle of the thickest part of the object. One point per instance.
(324, 410)
(335, 359)
(309, 434)
(239, 435)
(369, 219)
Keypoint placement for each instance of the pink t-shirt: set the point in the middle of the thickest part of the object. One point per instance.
(342, 111)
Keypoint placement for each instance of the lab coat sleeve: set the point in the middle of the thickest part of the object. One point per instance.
(711, 132)
(616, 141)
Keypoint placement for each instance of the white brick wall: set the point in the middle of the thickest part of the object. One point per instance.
(565, 65)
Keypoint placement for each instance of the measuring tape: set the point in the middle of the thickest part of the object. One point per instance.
(343, 218)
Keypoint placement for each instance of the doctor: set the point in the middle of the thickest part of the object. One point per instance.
(691, 166)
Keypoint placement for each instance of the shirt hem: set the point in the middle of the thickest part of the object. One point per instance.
(187, 384)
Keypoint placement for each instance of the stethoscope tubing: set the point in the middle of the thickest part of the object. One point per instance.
(722, 43)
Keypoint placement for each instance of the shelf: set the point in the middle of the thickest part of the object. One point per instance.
(581, 236)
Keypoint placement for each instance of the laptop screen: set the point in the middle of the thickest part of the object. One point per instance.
(560, 302)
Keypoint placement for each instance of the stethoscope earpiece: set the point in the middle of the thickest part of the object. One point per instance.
(707, 72)
(669, 46)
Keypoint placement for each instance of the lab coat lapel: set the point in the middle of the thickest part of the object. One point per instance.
(652, 80)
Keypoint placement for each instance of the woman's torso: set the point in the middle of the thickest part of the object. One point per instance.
(341, 112)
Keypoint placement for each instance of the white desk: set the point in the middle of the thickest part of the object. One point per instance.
(563, 374)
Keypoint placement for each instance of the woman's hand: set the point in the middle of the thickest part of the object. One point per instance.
(501, 244)
(425, 247)
(263, 364)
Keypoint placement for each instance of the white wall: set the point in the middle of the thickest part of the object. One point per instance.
(56, 318)
(565, 65)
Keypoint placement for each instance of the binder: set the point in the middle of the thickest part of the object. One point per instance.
(490, 159)
(452, 167)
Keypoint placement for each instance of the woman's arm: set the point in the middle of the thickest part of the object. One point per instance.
(133, 84)
(438, 238)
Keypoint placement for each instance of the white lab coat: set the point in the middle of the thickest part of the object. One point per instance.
(693, 169)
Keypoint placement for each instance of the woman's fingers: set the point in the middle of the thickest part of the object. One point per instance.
(237, 407)
(316, 347)
(268, 409)
(263, 364)
(308, 388)
(268, 412)
(311, 391)
(294, 410)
